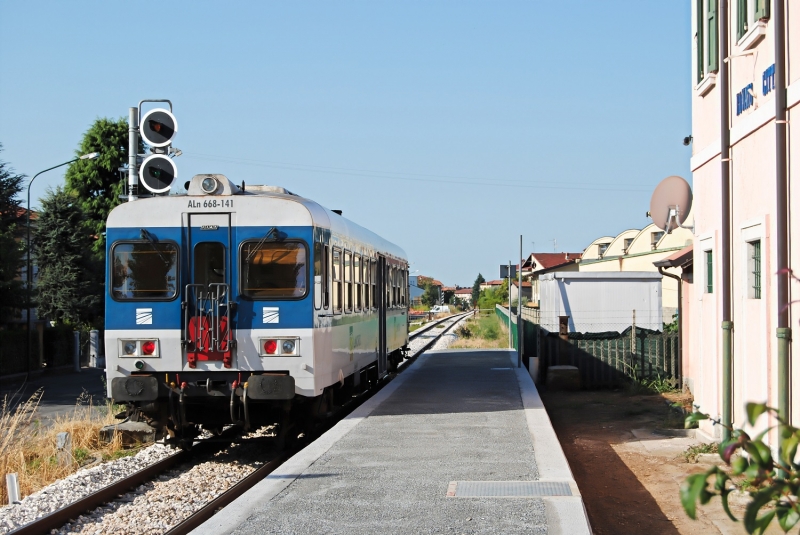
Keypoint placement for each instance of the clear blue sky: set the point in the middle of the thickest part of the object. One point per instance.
(450, 128)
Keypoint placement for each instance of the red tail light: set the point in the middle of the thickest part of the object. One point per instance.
(148, 347)
(270, 346)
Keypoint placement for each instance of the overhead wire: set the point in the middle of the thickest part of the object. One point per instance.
(419, 177)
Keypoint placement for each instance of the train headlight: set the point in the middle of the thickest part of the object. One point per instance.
(287, 347)
(129, 348)
(270, 347)
(209, 185)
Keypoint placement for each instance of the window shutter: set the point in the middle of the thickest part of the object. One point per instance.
(701, 62)
(713, 37)
(762, 9)
(741, 18)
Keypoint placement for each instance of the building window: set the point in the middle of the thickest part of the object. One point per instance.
(754, 269)
(655, 237)
(707, 17)
(709, 272)
(748, 12)
(602, 248)
(628, 242)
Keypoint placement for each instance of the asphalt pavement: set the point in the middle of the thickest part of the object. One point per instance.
(60, 391)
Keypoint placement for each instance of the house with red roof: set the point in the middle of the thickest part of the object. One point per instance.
(538, 264)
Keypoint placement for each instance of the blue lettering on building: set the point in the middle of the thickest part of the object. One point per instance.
(768, 80)
(744, 99)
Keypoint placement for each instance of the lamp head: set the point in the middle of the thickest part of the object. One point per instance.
(90, 156)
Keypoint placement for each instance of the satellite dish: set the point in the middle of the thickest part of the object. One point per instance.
(671, 203)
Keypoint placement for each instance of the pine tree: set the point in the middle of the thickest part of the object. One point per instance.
(12, 249)
(67, 290)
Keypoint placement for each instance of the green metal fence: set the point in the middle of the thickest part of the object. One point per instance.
(603, 359)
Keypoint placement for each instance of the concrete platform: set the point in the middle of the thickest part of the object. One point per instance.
(458, 443)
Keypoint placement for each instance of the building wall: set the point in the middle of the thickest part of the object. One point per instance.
(753, 216)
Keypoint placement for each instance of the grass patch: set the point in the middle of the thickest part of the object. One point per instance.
(692, 452)
(28, 448)
(483, 332)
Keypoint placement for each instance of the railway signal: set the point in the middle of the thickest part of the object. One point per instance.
(158, 127)
(157, 173)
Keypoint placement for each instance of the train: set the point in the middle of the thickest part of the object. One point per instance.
(246, 305)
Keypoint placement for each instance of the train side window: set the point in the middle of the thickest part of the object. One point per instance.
(326, 277)
(374, 282)
(337, 280)
(348, 281)
(365, 280)
(319, 274)
(403, 286)
(388, 285)
(357, 280)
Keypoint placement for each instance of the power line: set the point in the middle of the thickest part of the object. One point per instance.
(422, 177)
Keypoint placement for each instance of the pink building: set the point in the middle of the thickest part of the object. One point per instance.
(745, 163)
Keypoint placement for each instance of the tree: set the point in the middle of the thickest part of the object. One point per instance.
(96, 184)
(12, 250)
(431, 295)
(476, 289)
(68, 290)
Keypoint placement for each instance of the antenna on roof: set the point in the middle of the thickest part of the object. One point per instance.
(554, 244)
(671, 203)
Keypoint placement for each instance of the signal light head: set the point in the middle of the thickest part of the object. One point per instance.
(158, 127)
(157, 173)
(270, 346)
(148, 347)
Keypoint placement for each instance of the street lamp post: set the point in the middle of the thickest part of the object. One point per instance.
(29, 270)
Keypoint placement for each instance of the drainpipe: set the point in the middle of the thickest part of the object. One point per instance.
(783, 332)
(725, 254)
(680, 319)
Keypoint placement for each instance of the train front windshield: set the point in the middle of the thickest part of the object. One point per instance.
(144, 271)
(274, 270)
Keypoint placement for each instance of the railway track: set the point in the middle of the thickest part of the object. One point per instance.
(59, 519)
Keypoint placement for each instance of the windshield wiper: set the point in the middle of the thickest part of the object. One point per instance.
(149, 237)
(274, 232)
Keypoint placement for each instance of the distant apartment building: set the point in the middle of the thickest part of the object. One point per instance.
(745, 160)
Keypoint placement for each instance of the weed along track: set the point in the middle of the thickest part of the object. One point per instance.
(161, 490)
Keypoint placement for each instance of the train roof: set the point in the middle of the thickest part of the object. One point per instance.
(250, 204)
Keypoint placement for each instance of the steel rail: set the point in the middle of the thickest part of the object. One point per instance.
(59, 517)
(62, 516)
(209, 509)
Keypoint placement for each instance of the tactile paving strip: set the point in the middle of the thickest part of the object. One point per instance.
(508, 489)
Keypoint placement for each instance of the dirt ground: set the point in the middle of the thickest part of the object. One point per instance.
(628, 475)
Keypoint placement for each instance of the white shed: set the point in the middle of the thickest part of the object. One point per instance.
(601, 301)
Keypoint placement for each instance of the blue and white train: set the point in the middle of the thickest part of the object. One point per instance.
(233, 305)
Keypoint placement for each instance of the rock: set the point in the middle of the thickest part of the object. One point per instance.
(132, 433)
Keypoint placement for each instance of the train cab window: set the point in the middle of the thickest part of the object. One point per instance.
(357, 280)
(337, 280)
(273, 270)
(348, 281)
(209, 263)
(144, 271)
